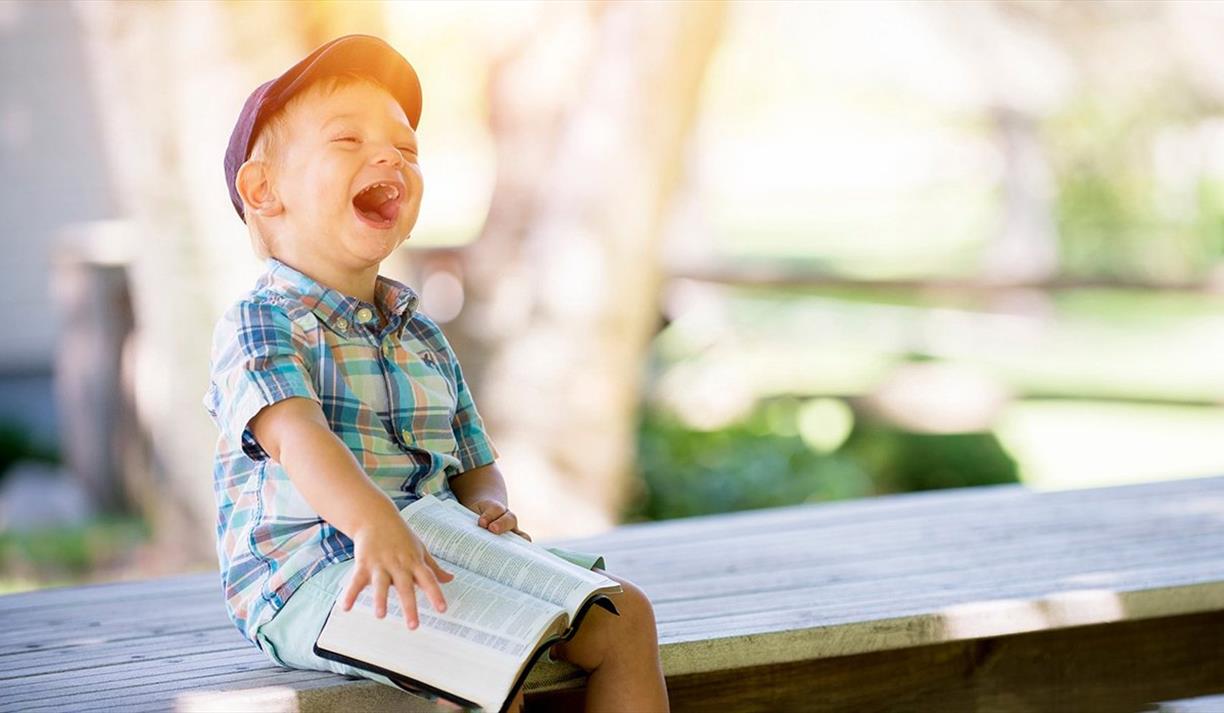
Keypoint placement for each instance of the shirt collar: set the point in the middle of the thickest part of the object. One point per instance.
(338, 310)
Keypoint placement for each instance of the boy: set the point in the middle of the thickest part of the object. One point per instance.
(338, 402)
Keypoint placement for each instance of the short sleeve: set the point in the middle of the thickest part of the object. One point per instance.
(255, 362)
(473, 446)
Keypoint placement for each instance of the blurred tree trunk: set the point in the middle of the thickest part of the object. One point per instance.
(592, 116)
(171, 78)
(1024, 75)
(1025, 248)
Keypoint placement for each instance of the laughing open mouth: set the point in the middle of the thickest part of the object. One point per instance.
(378, 203)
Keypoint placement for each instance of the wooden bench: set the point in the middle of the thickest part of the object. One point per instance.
(1205, 704)
(990, 599)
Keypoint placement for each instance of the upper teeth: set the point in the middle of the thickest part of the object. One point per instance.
(392, 189)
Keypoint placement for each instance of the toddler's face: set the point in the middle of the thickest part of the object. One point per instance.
(349, 178)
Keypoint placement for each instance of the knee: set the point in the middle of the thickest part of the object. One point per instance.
(637, 617)
(604, 637)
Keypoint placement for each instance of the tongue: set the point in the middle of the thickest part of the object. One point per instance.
(388, 210)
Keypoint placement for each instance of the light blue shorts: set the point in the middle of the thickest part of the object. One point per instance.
(289, 637)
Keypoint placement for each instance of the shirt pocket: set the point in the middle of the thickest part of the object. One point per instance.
(425, 403)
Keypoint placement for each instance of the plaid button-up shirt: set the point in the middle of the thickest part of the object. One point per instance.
(394, 395)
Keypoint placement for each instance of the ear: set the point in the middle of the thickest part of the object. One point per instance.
(254, 183)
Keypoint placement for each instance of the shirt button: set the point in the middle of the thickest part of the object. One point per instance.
(364, 315)
(406, 435)
(388, 349)
(342, 324)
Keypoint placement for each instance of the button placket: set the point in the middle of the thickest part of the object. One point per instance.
(388, 352)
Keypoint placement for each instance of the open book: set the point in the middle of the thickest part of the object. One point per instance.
(510, 600)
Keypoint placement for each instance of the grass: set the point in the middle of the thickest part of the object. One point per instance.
(59, 556)
(1082, 444)
(1112, 387)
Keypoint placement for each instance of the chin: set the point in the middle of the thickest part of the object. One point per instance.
(372, 242)
(376, 248)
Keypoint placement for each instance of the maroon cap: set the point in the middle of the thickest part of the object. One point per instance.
(363, 54)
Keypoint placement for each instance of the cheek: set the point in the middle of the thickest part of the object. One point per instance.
(325, 188)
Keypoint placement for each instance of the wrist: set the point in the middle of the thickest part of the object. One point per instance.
(373, 519)
(475, 496)
(483, 483)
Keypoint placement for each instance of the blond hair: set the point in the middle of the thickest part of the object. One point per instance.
(273, 135)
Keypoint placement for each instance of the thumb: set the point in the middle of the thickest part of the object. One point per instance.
(489, 511)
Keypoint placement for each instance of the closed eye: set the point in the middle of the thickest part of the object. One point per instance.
(345, 138)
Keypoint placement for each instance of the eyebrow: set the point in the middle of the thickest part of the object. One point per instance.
(338, 117)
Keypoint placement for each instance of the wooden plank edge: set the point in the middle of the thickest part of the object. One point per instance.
(334, 693)
(958, 623)
(337, 693)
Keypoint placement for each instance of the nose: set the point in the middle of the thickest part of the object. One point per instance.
(389, 155)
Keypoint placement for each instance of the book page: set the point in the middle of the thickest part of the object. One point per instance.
(486, 628)
(450, 532)
(477, 610)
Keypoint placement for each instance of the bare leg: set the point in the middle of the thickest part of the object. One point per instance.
(621, 653)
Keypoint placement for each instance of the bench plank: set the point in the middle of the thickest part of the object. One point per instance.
(1204, 704)
(883, 512)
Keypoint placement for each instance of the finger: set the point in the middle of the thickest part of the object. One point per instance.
(408, 599)
(508, 521)
(425, 576)
(523, 534)
(441, 574)
(379, 580)
(357, 582)
(491, 513)
(405, 592)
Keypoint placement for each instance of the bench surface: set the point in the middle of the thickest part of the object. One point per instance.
(730, 591)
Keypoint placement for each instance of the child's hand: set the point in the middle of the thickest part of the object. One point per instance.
(388, 553)
(495, 517)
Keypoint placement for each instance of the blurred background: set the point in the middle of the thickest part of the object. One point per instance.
(694, 257)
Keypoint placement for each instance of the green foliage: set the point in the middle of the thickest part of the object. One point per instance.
(16, 444)
(685, 472)
(1117, 215)
(762, 462)
(901, 461)
(70, 553)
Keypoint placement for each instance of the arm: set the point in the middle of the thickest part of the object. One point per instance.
(294, 432)
(483, 491)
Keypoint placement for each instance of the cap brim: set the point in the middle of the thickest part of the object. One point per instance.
(361, 54)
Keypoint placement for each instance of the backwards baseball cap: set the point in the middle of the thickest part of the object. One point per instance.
(361, 54)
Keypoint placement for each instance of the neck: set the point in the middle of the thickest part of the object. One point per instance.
(354, 283)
